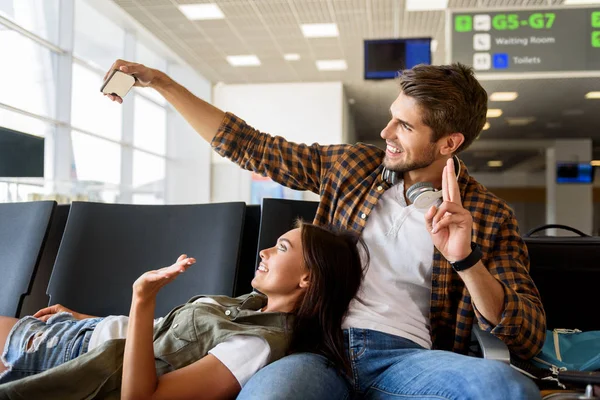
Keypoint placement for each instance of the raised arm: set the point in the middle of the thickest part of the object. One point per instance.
(297, 166)
(207, 378)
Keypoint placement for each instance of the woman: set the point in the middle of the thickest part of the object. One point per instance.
(207, 348)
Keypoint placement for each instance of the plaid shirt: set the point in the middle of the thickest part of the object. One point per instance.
(348, 179)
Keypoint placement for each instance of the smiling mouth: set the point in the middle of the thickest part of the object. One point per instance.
(262, 268)
(393, 150)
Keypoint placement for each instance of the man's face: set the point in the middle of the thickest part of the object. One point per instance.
(409, 146)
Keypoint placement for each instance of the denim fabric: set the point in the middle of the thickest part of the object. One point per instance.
(389, 367)
(60, 339)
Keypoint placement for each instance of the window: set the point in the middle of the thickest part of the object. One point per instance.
(148, 172)
(27, 82)
(23, 123)
(37, 16)
(150, 59)
(90, 109)
(97, 39)
(96, 160)
(150, 126)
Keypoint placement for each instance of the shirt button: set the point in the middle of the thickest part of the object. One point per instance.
(379, 188)
(228, 312)
(363, 215)
(175, 326)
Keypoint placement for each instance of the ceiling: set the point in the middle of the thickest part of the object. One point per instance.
(270, 29)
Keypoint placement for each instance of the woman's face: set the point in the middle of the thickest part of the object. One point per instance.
(281, 270)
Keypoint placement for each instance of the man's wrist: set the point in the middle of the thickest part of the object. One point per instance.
(160, 81)
(473, 257)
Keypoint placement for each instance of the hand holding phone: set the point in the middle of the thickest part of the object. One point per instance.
(117, 83)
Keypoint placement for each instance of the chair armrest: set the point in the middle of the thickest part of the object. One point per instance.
(491, 347)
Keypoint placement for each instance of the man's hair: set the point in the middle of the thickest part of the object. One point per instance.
(450, 97)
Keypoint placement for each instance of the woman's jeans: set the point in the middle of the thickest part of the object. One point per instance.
(389, 367)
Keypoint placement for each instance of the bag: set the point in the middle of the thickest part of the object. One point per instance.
(566, 271)
(570, 349)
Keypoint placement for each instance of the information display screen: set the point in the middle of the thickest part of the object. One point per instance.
(528, 41)
(21, 155)
(574, 173)
(384, 59)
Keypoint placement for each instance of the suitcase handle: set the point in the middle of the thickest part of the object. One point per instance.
(552, 226)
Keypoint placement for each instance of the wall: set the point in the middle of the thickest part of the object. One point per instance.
(188, 174)
(300, 112)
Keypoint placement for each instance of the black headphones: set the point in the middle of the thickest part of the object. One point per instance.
(422, 194)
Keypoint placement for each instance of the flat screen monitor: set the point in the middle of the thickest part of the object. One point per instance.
(21, 155)
(385, 58)
(574, 173)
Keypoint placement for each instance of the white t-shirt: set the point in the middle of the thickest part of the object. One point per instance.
(243, 355)
(396, 292)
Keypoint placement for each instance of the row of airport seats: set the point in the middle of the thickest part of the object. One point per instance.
(86, 256)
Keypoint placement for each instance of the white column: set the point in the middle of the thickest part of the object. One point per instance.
(569, 204)
(125, 195)
(62, 168)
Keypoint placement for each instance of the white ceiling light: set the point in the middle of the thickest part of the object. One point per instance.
(577, 2)
(494, 112)
(319, 30)
(291, 57)
(332, 65)
(495, 163)
(197, 12)
(519, 121)
(426, 5)
(503, 96)
(248, 60)
(592, 95)
(486, 126)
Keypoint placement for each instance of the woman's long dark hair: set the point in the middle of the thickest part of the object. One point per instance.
(333, 260)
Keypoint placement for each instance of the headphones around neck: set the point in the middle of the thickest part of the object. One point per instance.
(422, 194)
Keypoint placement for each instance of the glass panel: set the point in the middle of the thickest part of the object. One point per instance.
(96, 159)
(27, 84)
(148, 172)
(92, 111)
(97, 39)
(37, 16)
(25, 124)
(150, 59)
(145, 198)
(150, 126)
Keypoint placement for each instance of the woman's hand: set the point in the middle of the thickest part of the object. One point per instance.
(46, 313)
(148, 285)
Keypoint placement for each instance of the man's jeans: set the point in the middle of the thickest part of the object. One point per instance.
(389, 367)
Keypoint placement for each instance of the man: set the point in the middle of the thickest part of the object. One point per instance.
(433, 273)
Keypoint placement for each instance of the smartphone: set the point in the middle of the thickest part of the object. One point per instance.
(118, 83)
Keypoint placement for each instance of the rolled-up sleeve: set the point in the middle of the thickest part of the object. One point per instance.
(297, 166)
(523, 322)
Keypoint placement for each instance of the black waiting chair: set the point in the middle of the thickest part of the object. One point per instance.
(278, 216)
(247, 265)
(23, 232)
(37, 298)
(106, 247)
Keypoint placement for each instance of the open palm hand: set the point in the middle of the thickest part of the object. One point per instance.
(149, 283)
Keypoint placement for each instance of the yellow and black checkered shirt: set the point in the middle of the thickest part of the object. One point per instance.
(348, 179)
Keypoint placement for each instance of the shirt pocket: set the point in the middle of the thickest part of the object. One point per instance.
(181, 333)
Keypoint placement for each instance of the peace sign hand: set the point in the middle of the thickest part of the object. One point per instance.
(450, 225)
(148, 285)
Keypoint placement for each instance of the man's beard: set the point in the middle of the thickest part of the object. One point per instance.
(425, 160)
